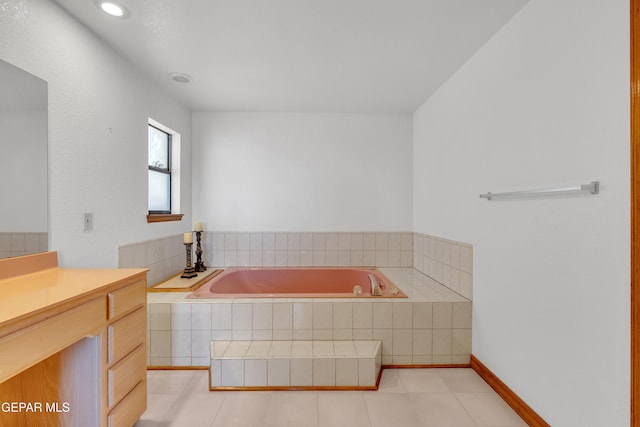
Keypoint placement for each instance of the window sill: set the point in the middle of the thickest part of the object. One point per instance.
(164, 217)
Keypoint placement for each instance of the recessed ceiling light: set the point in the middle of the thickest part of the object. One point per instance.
(113, 8)
(180, 77)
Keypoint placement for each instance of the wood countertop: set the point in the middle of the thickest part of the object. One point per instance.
(31, 293)
(28, 294)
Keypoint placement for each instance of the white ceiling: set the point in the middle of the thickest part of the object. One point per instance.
(361, 56)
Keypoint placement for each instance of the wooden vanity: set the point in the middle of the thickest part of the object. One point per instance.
(72, 344)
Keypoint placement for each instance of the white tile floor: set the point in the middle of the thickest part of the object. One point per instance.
(406, 397)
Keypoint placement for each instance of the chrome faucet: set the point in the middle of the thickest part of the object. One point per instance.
(375, 286)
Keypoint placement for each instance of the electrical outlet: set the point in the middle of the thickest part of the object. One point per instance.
(87, 221)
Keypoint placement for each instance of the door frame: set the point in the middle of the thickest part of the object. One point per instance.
(635, 211)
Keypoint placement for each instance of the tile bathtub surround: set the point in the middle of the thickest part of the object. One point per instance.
(164, 257)
(257, 249)
(446, 261)
(18, 244)
(432, 326)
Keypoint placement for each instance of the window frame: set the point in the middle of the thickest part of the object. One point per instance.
(166, 171)
(173, 170)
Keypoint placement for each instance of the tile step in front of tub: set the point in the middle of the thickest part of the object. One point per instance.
(283, 365)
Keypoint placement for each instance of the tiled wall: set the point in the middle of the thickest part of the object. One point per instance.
(166, 257)
(309, 249)
(412, 332)
(18, 244)
(446, 261)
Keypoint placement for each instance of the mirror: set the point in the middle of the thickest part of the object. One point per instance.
(23, 162)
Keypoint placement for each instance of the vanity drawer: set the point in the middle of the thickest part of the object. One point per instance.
(125, 374)
(130, 408)
(126, 334)
(126, 298)
(26, 347)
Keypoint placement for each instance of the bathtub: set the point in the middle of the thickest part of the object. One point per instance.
(306, 282)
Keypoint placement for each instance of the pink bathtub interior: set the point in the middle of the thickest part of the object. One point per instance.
(304, 282)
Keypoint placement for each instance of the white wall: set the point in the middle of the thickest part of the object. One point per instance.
(302, 172)
(98, 110)
(544, 103)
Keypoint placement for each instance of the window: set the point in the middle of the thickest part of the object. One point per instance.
(163, 163)
(159, 171)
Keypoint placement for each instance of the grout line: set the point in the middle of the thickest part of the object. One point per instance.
(464, 408)
(224, 399)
